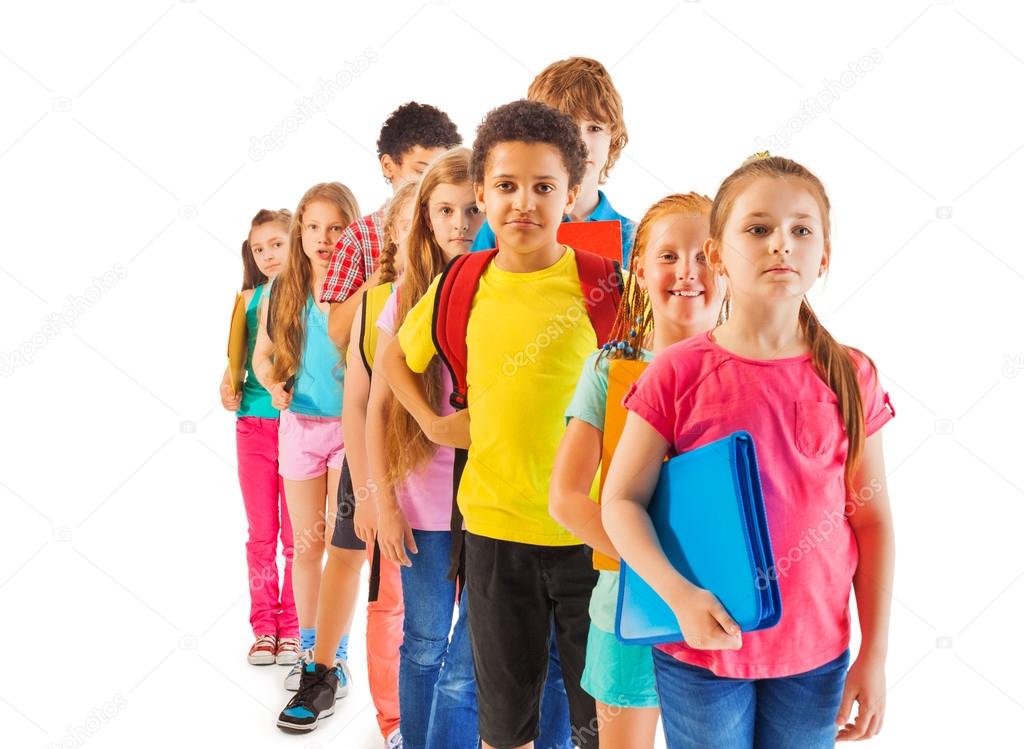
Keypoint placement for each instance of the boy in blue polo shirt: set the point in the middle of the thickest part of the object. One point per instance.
(583, 89)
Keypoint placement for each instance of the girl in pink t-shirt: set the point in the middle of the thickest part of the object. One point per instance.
(814, 408)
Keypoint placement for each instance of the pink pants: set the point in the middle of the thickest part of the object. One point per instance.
(385, 618)
(272, 609)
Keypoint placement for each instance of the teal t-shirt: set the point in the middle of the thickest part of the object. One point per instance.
(321, 376)
(588, 404)
(255, 398)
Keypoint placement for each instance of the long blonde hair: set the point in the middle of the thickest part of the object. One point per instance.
(405, 443)
(292, 286)
(634, 321)
(832, 360)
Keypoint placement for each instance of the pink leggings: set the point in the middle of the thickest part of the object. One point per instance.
(272, 609)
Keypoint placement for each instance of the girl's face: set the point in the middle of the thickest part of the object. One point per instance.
(684, 296)
(773, 244)
(269, 246)
(454, 217)
(322, 225)
(400, 234)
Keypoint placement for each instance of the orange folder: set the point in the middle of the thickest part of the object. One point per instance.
(600, 237)
(237, 348)
(622, 373)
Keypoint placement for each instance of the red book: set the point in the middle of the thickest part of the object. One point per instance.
(600, 237)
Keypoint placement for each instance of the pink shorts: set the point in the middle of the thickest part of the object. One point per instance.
(308, 446)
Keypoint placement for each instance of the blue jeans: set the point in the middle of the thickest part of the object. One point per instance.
(436, 687)
(699, 709)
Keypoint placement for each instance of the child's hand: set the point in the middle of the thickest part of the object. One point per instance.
(365, 520)
(865, 683)
(705, 623)
(451, 430)
(231, 400)
(394, 535)
(279, 397)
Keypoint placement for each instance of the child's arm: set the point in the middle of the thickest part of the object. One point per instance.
(569, 502)
(393, 530)
(231, 400)
(263, 362)
(631, 480)
(408, 387)
(872, 526)
(341, 314)
(353, 424)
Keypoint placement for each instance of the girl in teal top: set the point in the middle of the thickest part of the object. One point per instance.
(302, 369)
(272, 605)
(670, 295)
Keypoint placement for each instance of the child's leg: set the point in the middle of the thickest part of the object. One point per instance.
(383, 641)
(626, 727)
(429, 597)
(339, 586)
(800, 710)
(700, 709)
(453, 720)
(570, 577)
(306, 510)
(287, 618)
(256, 443)
(554, 707)
(510, 632)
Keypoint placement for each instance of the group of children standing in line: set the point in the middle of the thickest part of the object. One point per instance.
(478, 479)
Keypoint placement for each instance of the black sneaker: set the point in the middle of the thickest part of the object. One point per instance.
(314, 700)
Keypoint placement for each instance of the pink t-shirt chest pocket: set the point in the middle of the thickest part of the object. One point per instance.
(818, 431)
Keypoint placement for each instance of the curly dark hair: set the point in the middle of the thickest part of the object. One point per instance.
(415, 124)
(530, 122)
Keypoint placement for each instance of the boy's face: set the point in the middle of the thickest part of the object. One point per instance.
(413, 163)
(597, 137)
(525, 193)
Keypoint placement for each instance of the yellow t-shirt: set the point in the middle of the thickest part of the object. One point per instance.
(527, 337)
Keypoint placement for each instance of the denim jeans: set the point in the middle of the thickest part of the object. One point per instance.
(699, 709)
(436, 688)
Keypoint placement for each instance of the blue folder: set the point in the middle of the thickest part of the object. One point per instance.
(708, 513)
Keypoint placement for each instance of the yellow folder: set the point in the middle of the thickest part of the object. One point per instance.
(237, 344)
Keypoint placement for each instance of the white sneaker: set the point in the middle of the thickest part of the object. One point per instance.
(344, 680)
(394, 740)
(291, 681)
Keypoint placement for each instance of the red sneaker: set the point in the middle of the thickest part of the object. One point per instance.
(287, 651)
(263, 651)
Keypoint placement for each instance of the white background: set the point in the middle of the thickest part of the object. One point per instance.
(125, 148)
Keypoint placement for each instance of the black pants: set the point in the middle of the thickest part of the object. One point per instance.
(514, 591)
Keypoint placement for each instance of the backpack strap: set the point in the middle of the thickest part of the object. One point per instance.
(601, 283)
(452, 303)
(374, 300)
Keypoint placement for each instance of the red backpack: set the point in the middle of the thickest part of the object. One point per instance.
(601, 283)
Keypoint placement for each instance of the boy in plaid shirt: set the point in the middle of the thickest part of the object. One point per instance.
(411, 137)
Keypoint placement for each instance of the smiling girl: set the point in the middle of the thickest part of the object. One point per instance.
(670, 295)
(814, 408)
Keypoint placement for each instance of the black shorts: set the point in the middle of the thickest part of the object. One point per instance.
(344, 536)
(514, 591)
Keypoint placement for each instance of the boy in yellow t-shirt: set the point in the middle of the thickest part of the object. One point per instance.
(527, 336)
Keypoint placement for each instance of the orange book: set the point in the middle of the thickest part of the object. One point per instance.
(622, 373)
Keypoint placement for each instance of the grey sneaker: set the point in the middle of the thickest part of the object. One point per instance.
(294, 677)
(344, 678)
